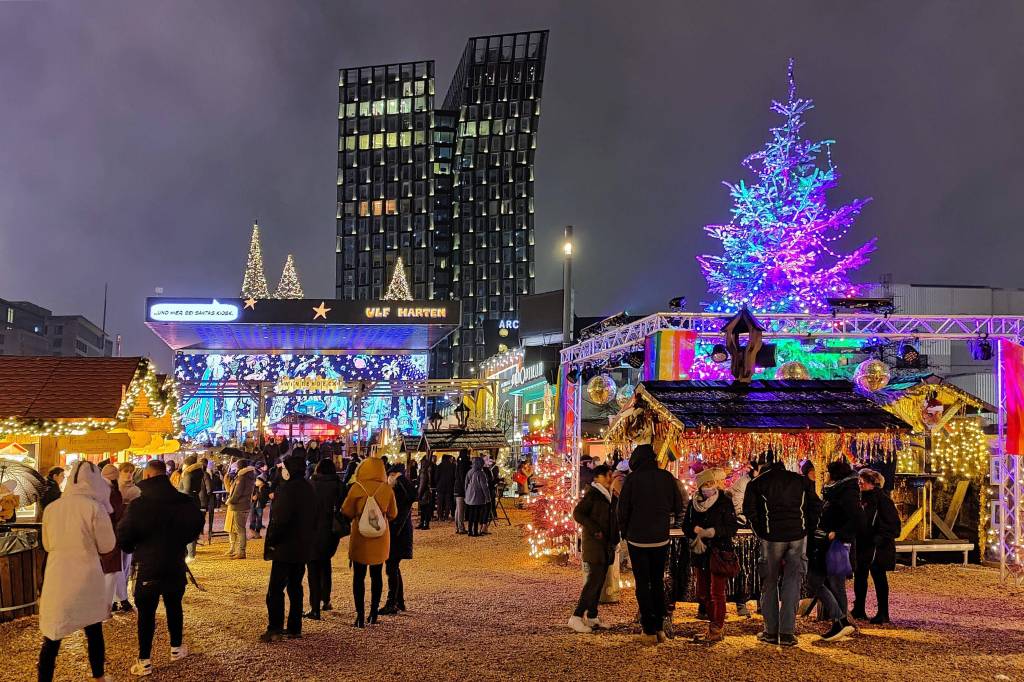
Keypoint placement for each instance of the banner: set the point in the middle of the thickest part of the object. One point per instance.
(1011, 374)
(668, 355)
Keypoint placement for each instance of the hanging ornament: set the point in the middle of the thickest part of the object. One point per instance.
(792, 370)
(932, 412)
(624, 395)
(872, 375)
(601, 389)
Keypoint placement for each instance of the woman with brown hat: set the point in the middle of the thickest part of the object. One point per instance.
(710, 524)
(370, 480)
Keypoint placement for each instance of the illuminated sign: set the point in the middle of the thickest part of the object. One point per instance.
(193, 312)
(508, 324)
(308, 385)
(406, 313)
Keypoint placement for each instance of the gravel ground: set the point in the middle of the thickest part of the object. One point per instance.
(481, 609)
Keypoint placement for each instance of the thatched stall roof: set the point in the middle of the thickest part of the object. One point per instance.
(908, 396)
(411, 443)
(452, 440)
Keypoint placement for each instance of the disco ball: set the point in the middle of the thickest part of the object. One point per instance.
(872, 375)
(624, 395)
(792, 370)
(601, 389)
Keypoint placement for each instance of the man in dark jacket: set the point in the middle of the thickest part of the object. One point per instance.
(288, 547)
(192, 485)
(462, 466)
(445, 484)
(782, 509)
(156, 529)
(426, 492)
(596, 513)
(648, 501)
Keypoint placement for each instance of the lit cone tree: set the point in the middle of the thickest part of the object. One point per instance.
(778, 248)
(553, 530)
(398, 290)
(289, 286)
(254, 283)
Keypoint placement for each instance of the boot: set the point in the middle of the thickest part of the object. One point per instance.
(882, 618)
(714, 634)
(858, 611)
(372, 620)
(389, 608)
(359, 621)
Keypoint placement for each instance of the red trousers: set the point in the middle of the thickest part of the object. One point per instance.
(711, 593)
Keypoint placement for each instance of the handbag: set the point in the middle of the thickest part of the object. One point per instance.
(341, 525)
(837, 560)
(724, 562)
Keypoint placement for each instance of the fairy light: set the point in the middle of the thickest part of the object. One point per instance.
(553, 530)
(960, 451)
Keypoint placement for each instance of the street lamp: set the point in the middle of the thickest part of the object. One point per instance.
(567, 292)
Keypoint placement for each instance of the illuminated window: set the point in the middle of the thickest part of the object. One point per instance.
(392, 106)
(377, 108)
(405, 105)
(392, 139)
(350, 143)
(364, 141)
(405, 139)
(378, 207)
(378, 141)
(350, 110)
(364, 208)
(392, 207)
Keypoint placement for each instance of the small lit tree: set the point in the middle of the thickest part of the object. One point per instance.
(553, 530)
(254, 282)
(289, 286)
(398, 290)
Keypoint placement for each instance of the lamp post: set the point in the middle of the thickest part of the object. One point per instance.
(567, 291)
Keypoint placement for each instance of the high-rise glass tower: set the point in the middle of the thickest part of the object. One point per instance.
(449, 190)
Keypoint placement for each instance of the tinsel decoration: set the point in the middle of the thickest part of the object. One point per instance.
(553, 530)
(624, 395)
(254, 282)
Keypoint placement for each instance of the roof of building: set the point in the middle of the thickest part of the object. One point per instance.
(767, 406)
(458, 439)
(64, 387)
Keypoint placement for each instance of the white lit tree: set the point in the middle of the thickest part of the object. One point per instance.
(289, 286)
(398, 290)
(254, 283)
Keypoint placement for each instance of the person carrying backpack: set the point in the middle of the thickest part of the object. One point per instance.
(370, 504)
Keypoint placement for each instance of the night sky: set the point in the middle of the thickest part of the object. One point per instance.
(138, 140)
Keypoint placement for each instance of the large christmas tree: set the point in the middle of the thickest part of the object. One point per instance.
(779, 247)
(289, 286)
(398, 290)
(254, 283)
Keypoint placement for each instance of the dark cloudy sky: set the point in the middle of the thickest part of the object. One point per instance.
(139, 139)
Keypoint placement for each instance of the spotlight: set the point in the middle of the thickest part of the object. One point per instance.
(719, 354)
(635, 359)
(573, 375)
(908, 353)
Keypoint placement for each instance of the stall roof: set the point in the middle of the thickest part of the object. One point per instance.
(457, 439)
(904, 386)
(768, 406)
(411, 443)
(235, 324)
(64, 387)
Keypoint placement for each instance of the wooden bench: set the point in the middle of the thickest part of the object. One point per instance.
(915, 546)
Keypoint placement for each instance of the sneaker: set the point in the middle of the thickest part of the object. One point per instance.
(179, 652)
(126, 606)
(237, 556)
(577, 624)
(596, 622)
(766, 638)
(838, 630)
(271, 636)
(787, 640)
(142, 668)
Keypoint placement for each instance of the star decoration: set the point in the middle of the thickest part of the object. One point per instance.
(321, 311)
(250, 303)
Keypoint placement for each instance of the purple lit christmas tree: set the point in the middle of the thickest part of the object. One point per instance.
(778, 254)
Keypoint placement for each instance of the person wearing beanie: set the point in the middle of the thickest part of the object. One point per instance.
(710, 525)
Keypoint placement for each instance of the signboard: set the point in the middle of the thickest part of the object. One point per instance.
(309, 385)
(193, 312)
(95, 442)
(301, 311)
(500, 336)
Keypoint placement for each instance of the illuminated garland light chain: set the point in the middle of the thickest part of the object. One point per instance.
(775, 246)
(960, 451)
(553, 529)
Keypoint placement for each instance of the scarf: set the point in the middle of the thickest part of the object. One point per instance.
(701, 503)
(604, 491)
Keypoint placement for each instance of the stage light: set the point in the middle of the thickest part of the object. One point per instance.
(980, 348)
(908, 353)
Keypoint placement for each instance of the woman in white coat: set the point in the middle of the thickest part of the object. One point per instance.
(76, 530)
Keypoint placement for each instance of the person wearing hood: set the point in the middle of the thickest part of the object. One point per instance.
(328, 491)
(117, 579)
(445, 479)
(596, 514)
(462, 466)
(260, 499)
(478, 496)
(369, 553)
(876, 546)
(76, 532)
(157, 528)
(54, 479)
(191, 484)
(649, 500)
(288, 547)
(842, 519)
(710, 525)
(401, 539)
(426, 492)
(239, 500)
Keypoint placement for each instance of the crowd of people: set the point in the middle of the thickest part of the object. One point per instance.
(808, 543)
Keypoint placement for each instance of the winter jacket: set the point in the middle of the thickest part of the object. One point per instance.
(192, 481)
(327, 489)
(157, 526)
(462, 466)
(426, 481)
(370, 479)
(241, 491)
(111, 561)
(401, 526)
(841, 514)
(444, 477)
(478, 490)
(290, 531)
(648, 500)
(76, 530)
(206, 490)
(781, 505)
(876, 543)
(596, 514)
(721, 516)
(50, 495)
(129, 490)
(738, 491)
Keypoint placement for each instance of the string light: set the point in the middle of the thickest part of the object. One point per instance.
(398, 290)
(289, 286)
(960, 451)
(553, 530)
(254, 282)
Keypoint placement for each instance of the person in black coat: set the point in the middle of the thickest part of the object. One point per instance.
(710, 524)
(595, 513)
(288, 546)
(444, 482)
(876, 545)
(156, 528)
(842, 519)
(648, 501)
(54, 477)
(328, 491)
(401, 532)
(462, 466)
(426, 492)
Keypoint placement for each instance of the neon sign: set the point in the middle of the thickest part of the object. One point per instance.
(193, 312)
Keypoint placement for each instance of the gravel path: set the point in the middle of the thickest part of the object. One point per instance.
(481, 609)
